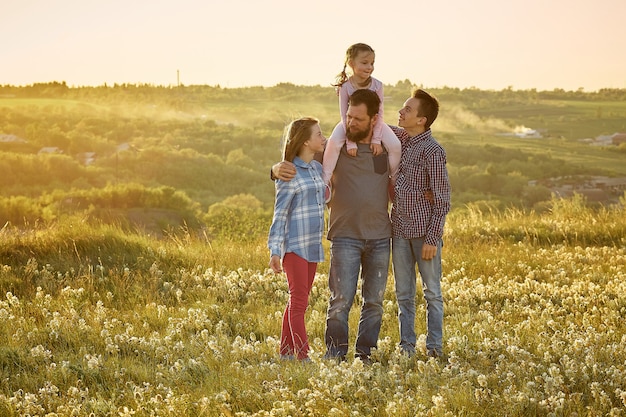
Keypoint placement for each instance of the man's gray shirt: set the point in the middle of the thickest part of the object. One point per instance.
(359, 204)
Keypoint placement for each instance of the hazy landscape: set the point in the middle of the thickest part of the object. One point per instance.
(134, 280)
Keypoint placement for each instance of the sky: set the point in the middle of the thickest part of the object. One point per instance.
(485, 44)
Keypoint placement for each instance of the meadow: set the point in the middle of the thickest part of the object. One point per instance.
(183, 326)
(138, 286)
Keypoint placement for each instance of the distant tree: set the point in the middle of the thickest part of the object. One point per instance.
(532, 195)
(239, 158)
(239, 217)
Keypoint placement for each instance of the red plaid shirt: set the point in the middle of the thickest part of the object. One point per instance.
(422, 168)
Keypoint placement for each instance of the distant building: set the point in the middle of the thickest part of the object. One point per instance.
(607, 140)
(596, 189)
(11, 139)
(594, 195)
(619, 138)
(87, 158)
(126, 147)
(616, 184)
(526, 132)
(523, 132)
(123, 147)
(50, 149)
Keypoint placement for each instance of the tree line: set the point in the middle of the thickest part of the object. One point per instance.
(214, 146)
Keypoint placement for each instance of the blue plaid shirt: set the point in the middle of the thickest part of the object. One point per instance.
(298, 223)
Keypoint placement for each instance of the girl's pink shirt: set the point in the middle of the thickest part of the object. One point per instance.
(346, 90)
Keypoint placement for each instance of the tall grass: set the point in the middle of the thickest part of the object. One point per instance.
(568, 221)
(97, 321)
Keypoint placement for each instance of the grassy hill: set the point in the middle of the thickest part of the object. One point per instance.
(212, 142)
(98, 321)
(138, 285)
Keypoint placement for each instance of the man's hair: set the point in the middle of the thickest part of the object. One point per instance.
(367, 97)
(429, 106)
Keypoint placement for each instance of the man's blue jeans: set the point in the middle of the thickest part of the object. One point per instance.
(406, 253)
(348, 258)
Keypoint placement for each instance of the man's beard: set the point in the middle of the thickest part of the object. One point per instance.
(358, 136)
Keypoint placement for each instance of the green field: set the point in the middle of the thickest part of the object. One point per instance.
(137, 285)
(98, 321)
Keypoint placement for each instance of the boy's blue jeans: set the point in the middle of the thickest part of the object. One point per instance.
(406, 254)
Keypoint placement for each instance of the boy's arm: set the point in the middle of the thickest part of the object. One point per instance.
(440, 186)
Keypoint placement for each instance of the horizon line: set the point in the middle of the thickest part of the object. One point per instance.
(218, 85)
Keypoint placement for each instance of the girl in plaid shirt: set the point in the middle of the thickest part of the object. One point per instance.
(296, 232)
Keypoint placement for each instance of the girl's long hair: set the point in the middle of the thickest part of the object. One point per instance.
(296, 133)
(351, 53)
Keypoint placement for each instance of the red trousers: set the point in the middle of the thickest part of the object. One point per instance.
(300, 274)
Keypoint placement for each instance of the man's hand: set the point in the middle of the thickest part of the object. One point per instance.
(275, 264)
(428, 251)
(376, 148)
(284, 170)
(352, 152)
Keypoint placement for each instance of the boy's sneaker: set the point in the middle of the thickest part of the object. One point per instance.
(332, 357)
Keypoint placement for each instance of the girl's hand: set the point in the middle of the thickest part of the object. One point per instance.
(275, 264)
(376, 148)
(352, 152)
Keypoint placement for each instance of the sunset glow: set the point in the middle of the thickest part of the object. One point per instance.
(486, 44)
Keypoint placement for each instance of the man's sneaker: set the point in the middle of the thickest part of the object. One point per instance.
(408, 349)
(366, 359)
(434, 353)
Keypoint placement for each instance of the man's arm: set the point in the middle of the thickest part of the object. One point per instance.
(284, 170)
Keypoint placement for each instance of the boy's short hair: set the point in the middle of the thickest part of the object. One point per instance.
(429, 106)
